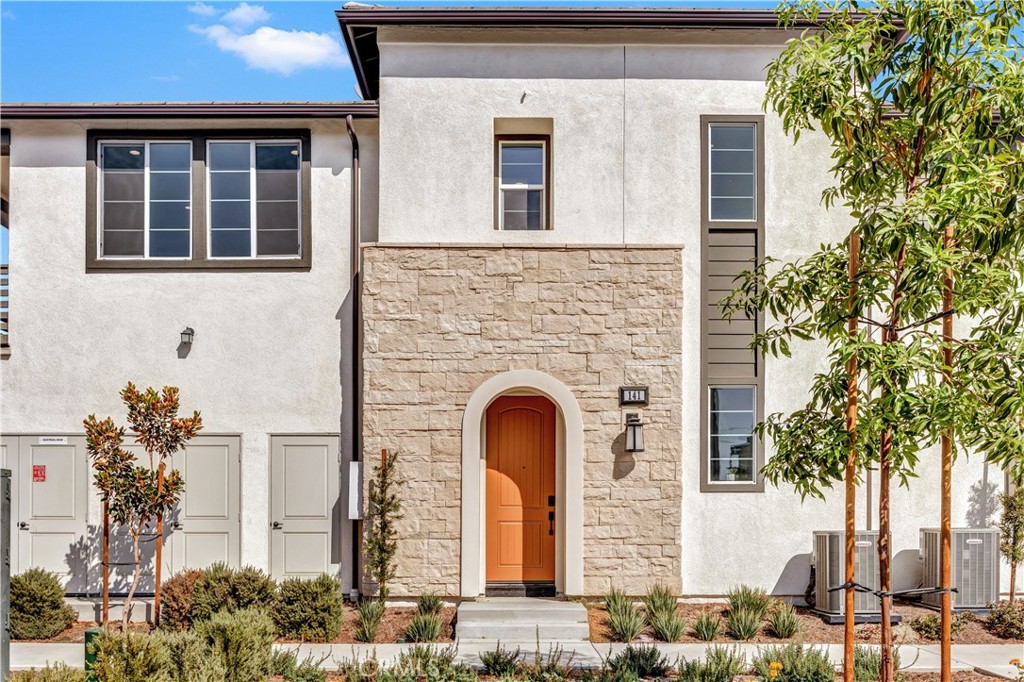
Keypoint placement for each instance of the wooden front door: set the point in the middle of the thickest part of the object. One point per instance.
(521, 490)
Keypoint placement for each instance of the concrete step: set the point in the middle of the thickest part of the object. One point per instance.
(521, 619)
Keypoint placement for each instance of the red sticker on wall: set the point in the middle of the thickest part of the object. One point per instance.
(38, 473)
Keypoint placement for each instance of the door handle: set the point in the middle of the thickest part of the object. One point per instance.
(551, 523)
(276, 525)
(23, 525)
(177, 525)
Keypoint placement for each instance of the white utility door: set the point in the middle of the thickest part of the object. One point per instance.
(204, 527)
(53, 484)
(305, 506)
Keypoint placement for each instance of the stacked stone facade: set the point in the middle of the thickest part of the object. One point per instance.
(439, 320)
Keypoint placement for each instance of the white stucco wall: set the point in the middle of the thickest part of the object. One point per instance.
(267, 356)
(626, 169)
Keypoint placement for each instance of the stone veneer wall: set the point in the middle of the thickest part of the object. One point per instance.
(441, 320)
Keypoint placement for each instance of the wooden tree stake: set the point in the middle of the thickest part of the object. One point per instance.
(849, 610)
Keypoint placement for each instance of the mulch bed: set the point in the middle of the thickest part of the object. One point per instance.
(392, 626)
(813, 629)
(76, 633)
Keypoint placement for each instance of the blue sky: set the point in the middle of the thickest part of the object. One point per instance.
(174, 51)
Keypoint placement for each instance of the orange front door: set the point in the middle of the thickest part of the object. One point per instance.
(521, 490)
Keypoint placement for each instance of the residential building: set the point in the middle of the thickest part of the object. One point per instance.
(548, 205)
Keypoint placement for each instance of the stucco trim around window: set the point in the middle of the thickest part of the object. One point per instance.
(200, 259)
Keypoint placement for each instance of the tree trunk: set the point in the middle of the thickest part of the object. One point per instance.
(945, 523)
(884, 558)
(1013, 581)
(849, 609)
(136, 576)
(158, 560)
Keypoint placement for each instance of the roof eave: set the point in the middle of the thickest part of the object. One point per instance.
(189, 110)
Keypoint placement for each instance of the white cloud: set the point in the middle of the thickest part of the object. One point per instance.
(8, 14)
(202, 9)
(247, 15)
(273, 49)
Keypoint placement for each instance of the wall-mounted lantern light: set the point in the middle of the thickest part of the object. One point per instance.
(187, 334)
(634, 433)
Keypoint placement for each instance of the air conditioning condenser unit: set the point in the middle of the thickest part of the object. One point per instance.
(974, 560)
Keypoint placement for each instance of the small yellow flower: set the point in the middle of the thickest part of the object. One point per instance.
(1015, 662)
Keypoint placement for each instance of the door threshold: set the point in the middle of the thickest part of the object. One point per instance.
(514, 589)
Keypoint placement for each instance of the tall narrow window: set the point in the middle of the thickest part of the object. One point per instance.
(254, 199)
(146, 195)
(522, 184)
(732, 374)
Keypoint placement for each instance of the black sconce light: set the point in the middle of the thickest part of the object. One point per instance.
(634, 433)
(187, 334)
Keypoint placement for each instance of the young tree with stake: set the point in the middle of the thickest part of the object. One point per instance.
(922, 103)
(137, 494)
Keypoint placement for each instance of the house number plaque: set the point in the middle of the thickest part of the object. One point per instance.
(632, 395)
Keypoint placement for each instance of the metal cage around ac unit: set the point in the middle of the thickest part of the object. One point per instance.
(974, 562)
(830, 572)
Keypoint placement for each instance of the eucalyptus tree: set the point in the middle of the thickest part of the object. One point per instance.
(922, 103)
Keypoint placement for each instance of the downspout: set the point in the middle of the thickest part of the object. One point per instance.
(357, 339)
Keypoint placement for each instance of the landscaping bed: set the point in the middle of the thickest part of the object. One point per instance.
(812, 627)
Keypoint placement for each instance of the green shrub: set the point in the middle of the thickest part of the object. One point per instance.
(784, 621)
(1007, 619)
(190, 659)
(645, 661)
(668, 627)
(553, 667)
(428, 604)
(424, 627)
(176, 600)
(242, 640)
(708, 627)
(500, 662)
(424, 663)
(930, 625)
(221, 588)
(798, 664)
(867, 663)
(617, 602)
(310, 610)
(287, 665)
(38, 609)
(59, 673)
(371, 611)
(626, 625)
(659, 600)
(130, 657)
(752, 599)
(743, 624)
(720, 664)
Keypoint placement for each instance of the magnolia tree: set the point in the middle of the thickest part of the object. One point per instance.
(922, 104)
(137, 493)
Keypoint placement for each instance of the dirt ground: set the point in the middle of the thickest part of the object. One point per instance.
(813, 629)
(76, 633)
(392, 627)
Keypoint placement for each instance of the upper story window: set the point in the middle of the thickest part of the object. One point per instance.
(146, 190)
(254, 199)
(522, 183)
(733, 182)
(192, 199)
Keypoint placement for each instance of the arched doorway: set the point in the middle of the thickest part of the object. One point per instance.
(507, 391)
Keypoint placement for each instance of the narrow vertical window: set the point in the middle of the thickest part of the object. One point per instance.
(733, 445)
(254, 199)
(733, 164)
(146, 199)
(732, 241)
(522, 185)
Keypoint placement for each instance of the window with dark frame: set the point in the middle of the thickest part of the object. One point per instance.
(198, 199)
(522, 184)
(146, 190)
(732, 375)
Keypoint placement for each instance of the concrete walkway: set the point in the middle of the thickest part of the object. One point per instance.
(988, 659)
